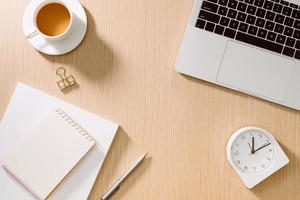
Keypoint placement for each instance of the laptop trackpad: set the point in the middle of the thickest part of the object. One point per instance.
(255, 71)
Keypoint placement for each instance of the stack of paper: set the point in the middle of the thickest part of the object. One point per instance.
(26, 109)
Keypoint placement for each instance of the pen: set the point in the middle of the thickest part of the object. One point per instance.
(120, 180)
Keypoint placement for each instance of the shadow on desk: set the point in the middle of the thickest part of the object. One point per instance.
(279, 183)
(92, 58)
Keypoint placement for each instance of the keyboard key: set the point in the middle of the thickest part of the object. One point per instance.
(232, 4)
(252, 30)
(288, 31)
(260, 12)
(287, 11)
(279, 18)
(209, 16)
(214, 1)
(232, 13)
(222, 10)
(259, 3)
(270, 25)
(284, 2)
(280, 39)
(268, 5)
(224, 21)
(277, 8)
(271, 36)
(241, 16)
(288, 51)
(279, 28)
(259, 42)
(296, 34)
(242, 7)
(288, 21)
(229, 33)
(251, 10)
(262, 33)
(200, 23)
(209, 26)
(276, 1)
(297, 44)
(260, 22)
(223, 2)
(219, 29)
(233, 24)
(296, 14)
(270, 15)
(297, 24)
(297, 54)
(294, 5)
(249, 1)
(210, 6)
(250, 19)
(243, 27)
(290, 42)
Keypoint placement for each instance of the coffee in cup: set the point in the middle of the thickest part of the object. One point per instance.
(52, 20)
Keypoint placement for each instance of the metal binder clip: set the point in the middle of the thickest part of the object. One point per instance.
(66, 81)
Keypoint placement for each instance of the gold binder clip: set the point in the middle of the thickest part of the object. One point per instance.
(65, 81)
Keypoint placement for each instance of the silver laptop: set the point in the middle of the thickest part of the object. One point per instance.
(252, 46)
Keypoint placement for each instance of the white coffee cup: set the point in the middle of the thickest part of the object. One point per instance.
(36, 30)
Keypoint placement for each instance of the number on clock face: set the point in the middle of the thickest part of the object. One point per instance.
(252, 151)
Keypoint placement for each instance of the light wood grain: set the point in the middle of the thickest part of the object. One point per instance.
(125, 69)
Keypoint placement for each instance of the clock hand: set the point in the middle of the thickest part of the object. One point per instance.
(250, 146)
(263, 146)
(252, 149)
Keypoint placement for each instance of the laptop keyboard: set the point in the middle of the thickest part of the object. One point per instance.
(273, 25)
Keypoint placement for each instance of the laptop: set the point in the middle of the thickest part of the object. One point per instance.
(252, 46)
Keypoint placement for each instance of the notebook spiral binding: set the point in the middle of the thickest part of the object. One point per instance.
(74, 124)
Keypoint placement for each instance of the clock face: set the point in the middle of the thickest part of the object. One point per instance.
(253, 151)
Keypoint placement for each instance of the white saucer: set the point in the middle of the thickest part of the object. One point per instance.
(59, 47)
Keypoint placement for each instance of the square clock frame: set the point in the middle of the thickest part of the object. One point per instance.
(255, 155)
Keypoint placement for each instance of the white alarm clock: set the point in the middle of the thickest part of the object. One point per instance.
(255, 155)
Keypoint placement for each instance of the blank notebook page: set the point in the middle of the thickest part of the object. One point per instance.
(48, 154)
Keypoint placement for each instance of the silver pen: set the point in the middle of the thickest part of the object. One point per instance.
(120, 180)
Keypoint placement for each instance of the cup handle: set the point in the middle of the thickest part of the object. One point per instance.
(32, 34)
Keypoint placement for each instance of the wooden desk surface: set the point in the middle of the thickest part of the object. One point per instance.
(125, 69)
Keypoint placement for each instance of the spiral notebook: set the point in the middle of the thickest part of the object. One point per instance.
(51, 150)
